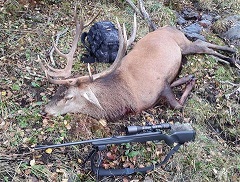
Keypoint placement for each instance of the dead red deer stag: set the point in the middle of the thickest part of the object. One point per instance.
(134, 82)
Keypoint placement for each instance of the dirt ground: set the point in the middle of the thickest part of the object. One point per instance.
(26, 31)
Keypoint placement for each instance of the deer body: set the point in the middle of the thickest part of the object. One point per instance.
(136, 81)
(153, 63)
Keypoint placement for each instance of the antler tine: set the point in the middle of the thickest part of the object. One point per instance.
(79, 28)
(121, 52)
(90, 73)
(66, 72)
(134, 31)
(55, 46)
(122, 35)
(90, 21)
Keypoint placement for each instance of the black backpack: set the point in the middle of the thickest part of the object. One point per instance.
(102, 43)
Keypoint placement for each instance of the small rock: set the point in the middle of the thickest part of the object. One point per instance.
(205, 23)
(181, 20)
(190, 14)
(193, 28)
(195, 36)
(207, 17)
(193, 32)
(233, 33)
(228, 28)
(148, 179)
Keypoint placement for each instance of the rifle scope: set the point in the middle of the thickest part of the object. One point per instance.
(130, 130)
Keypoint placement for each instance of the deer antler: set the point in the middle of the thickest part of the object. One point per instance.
(66, 72)
(123, 45)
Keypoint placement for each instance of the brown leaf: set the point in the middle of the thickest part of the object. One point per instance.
(111, 156)
(106, 165)
(125, 179)
(27, 171)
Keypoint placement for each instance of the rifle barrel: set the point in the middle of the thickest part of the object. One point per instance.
(40, 147)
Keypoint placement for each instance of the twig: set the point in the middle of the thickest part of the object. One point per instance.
(33, 73)
(143, 13)
(16, 171)
(230, 83)
(59, 34)
(220, 60)
(146, 16)
(237, 91)
(20, 30)
(237, 65)
(13, 156)
(133, 7)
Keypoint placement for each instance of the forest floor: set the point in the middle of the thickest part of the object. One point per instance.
(26, 30)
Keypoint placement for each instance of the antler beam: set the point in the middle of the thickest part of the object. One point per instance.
(52, 73)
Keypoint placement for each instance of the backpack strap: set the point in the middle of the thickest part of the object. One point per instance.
(83, 40)
(87, 58)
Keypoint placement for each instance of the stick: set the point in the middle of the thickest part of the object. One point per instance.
(143, 13)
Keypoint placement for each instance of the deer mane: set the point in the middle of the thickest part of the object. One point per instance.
(114, 96)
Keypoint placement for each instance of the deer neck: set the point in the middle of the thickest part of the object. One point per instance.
(114, 97)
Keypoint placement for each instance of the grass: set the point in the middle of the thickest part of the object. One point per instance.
(229, 6)
(26, 31)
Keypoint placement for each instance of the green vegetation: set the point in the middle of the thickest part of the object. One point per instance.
(26, 29)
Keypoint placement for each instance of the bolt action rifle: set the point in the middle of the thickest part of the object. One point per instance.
(179, 134)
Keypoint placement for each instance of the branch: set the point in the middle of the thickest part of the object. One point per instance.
(143, 13)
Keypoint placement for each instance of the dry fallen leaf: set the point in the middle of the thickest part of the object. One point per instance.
(27, 171)
(68, 126)
(48, 151)
(45, 122)
(103, 122)
(79, 161)
(2, 123)
(32, 162)
(111, 156)
(60, 170)
(4, 93)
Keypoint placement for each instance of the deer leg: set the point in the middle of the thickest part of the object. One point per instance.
(169, 95)
(201, 47)
(182, 80)
(187, 91)
(214, 46)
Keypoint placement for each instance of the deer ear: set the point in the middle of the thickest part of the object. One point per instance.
(90, 96)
